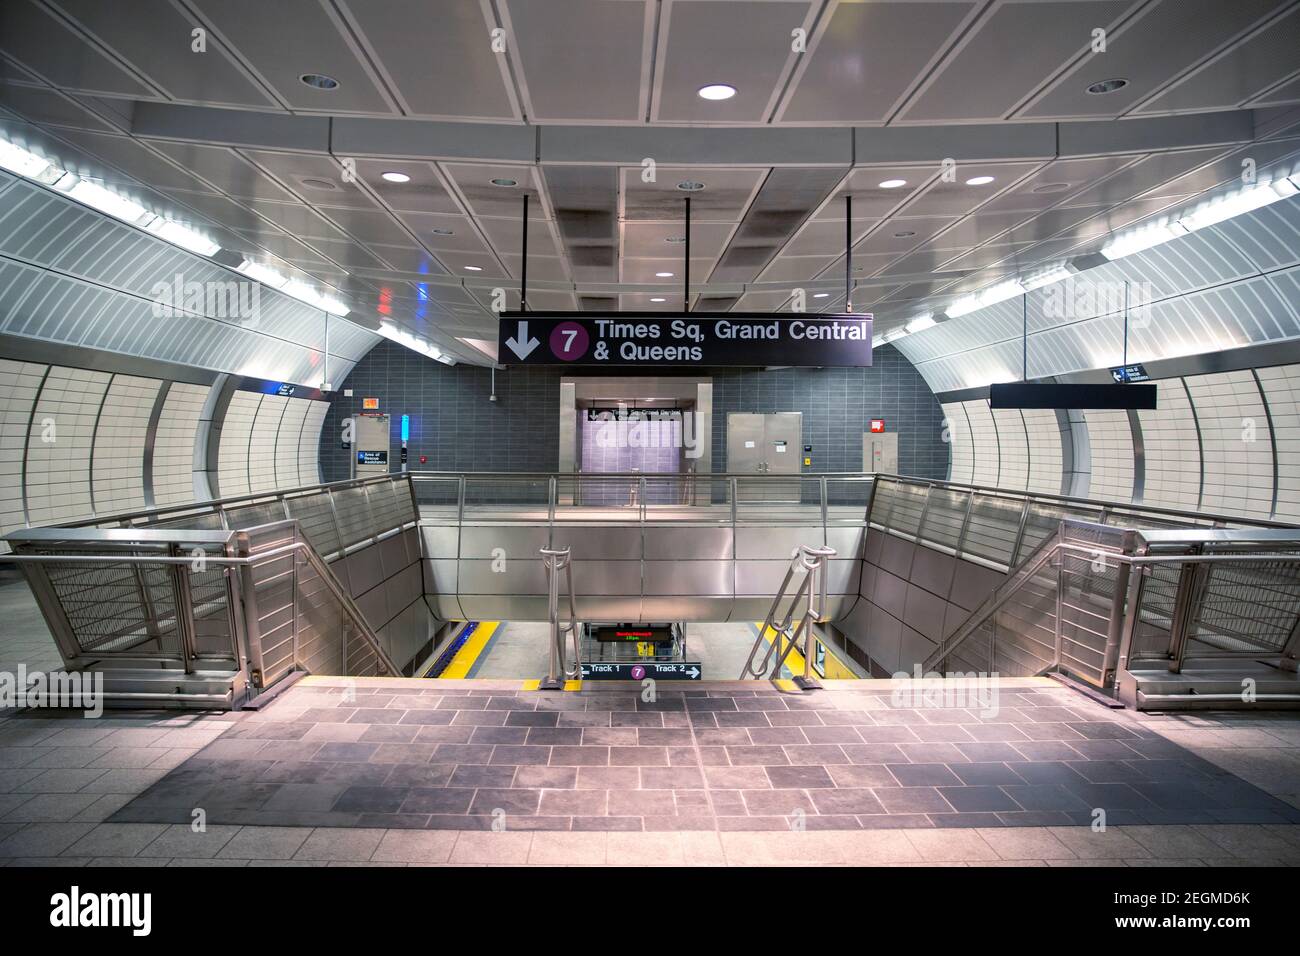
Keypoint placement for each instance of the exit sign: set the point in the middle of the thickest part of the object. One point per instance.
(877, 424)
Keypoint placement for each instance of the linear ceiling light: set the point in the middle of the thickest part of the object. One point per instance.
(1038, 280)
(105, 200)
(921, 323)
(15, 159)
(985, 297)
(312, 296)
(263, 274)
(182, 236)
(413, 342)
(1128, 243)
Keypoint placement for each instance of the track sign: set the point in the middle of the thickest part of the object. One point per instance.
(654, 670)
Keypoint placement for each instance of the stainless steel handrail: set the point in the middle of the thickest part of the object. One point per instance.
(1125, 608)
(812, 562)
(245, 561)
(556, 560)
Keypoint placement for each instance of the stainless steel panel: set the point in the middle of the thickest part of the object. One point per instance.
(668, 542)
(364, 571)
(517, 577)
(517, 541)
(440, 542)
(495, 607)
(775, 543)
(599, 543)
(761, 577)
(607, 578)
(843, 577)
(392, 555)
(610, 608)
(440, 577)
(687, 608)
(706, 578)
(847, 542)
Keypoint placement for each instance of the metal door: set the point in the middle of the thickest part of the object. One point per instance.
(782, 446)
(880, 452)
(765, 445)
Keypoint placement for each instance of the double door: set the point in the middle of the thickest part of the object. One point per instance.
(765, 444)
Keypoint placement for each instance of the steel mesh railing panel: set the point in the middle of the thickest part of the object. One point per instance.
(385, 515)
(1248, 606)
(992, 529)
(315, 516)
(945, 515)
(116, 607)
(353, 515)
(898, 507)
(252, 515)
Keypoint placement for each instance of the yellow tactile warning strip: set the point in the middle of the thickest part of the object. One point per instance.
(834, 668)
(465, 658)
(536, 685)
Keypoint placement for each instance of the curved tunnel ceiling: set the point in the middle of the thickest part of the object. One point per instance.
(581, 95)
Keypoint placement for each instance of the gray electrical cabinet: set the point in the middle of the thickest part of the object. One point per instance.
(371, 445)
(880, 452)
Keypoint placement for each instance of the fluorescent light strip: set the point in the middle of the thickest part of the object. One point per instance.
(413, 342)
(300, 290)
(182, 236)
(15, 159)
(1055, 274)
(920, 323)
(985, 297)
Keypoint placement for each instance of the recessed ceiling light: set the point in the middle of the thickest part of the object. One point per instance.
(1108, 86)
(904, 234)
(505, 182)
(1051, 188)
(473, 268)
(675, 239)
(395, 177)
(443, 232)
(658, 299)
(319, 184)
(319, 81)
(893, 183)
(979, 180)
(691, 186)
(821, 295)
(717, 91)
(664, 275)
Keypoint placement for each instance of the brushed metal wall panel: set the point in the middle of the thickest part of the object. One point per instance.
(592, 543)
(702, 578)
(769, 543)
(668, 542)
(517, 541)
(516, 577)
(440, 541)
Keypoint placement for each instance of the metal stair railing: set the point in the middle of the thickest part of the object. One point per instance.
(556, 560)
(127, 631)
(811, 561)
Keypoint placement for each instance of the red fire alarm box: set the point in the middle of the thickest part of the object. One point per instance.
(877, 424)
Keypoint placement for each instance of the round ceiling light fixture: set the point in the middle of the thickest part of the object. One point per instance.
(690, 186)
(444, 232)
(1051, 188)
(507, 183)
(1108, 86)
(319, 81)
(658, 299)
(473, 268)
(395, 177)
(323, 184)
(675, 239)
(821, 295)
(893, 183)
(905, 234)
(979, 180)
(663, 275)
(717, 91)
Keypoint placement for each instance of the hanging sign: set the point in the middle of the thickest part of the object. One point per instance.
(697, 338)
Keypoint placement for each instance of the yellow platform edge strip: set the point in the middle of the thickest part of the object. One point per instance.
(463, 662)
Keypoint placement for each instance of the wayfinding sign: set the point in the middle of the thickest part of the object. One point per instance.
(657, 670)
(696, 338)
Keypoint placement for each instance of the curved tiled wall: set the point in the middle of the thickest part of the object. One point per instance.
(79, 443)
(1221, 443)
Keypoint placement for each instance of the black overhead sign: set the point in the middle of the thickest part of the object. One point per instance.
(696, 338)
(1048, 395)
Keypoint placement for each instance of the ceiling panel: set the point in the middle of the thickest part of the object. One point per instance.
(48, 47)
(725, 196)
(436, 55)
(42, 104)
(741, 43)
(1028, 42)
(865, 56)
(561, 44)
(1054, 182)
(1239, 74)
(258, 31)
(1162, 41)
(869, 198)
(1150, 173)
(958, 196)
(163, 51)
